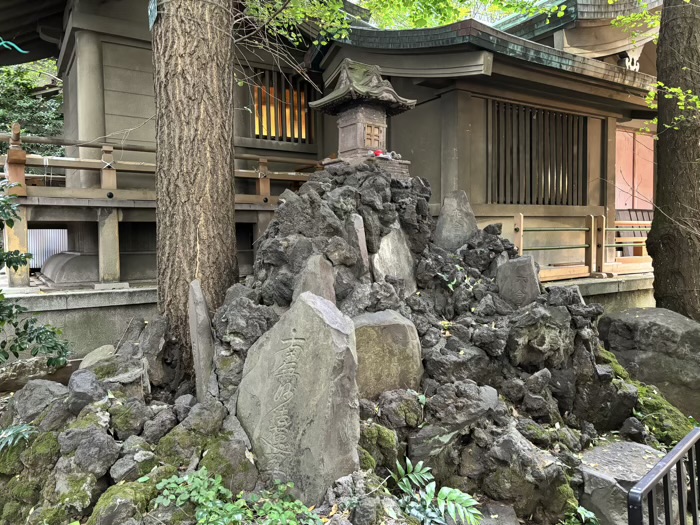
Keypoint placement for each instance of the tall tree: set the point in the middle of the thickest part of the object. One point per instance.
(194, 81)
(674, 240)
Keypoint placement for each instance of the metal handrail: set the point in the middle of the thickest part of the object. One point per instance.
(645, 489)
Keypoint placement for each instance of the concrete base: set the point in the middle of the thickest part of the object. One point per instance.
(616, 293)
(76, 268)
(88, 318)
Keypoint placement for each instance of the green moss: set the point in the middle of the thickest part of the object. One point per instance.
(380, 443)
(13, 513)
(42, 453)
(25, 489)
(87, 420)
(665, 422)
(10, 462)
(79, 495)
(177, 447)
(411, 413)
(609, 358)
(106, 368)
(218, 463)
(50, 516)
(139, 494)
(564, 500)
(122, 417)
(367, 462)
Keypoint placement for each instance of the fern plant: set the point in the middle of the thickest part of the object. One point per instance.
(11, 436)
(419, 499)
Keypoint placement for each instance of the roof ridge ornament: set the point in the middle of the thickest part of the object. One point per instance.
(362, 84)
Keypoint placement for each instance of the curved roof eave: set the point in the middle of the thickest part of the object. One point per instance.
(476, 34)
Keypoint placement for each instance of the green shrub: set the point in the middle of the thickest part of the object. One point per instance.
(417, 487)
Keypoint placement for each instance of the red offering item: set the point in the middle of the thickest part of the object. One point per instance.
(378, 152)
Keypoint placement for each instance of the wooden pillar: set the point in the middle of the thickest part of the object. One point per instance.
(519, 229)
(609, 171)
(17, 236)
(262, 185)
(600, 236)
(455, 136)
(108, 245)
(108, 175)
(591, 239)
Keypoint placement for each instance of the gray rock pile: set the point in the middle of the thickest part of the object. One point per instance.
(364, 336)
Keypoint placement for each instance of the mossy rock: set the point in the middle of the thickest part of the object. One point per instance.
(177, 447)
(87, 419)
(665, 422)
(80, 493)
(380, 442)
(13, 513)
(227, 457)
(43, 453)
(25, 489)
(367, 462)
(607, 357)
(10, 460)
(122, 502)
(49, 516)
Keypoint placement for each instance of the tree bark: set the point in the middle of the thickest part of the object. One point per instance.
(193, 57)
(674, 240)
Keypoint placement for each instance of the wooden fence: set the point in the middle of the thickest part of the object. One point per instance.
(602, 244)
(109, 198)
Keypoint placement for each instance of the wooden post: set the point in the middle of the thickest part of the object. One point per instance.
(600, 243)
(15, 163)
(519, 228)
(17, 238)
(108, 245)
(262, 185)
(591, 239)
(108, 175)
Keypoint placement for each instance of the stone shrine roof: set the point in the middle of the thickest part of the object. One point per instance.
(360, 83)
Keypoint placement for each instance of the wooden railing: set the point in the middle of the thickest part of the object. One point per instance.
(600, 248)
(108, 197)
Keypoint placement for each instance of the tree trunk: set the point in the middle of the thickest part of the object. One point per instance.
(193, 57)
(674, 240)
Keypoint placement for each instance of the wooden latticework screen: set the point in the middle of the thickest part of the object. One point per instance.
(536, 156)
(281, 105)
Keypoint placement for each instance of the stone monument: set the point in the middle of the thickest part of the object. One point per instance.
(298, 400)
(362, 100)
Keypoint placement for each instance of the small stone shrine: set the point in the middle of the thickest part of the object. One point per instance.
(362, 100)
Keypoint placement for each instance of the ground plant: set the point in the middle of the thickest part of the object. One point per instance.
(418, 497)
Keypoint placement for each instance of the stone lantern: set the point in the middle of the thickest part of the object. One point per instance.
(362, 100)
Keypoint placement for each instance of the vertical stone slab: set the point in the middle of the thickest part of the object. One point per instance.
(517, 281)
(17, 238)
(316, 277)
(456, 223)
(202, 339)
(108, 245)
(388, 353)
(394, 259)
(357, 239)
(298, 399)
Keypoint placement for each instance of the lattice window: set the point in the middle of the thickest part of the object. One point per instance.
(281, 107)
(373, 136)
(536, 156)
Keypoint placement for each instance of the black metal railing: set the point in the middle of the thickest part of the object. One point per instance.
(684, 456)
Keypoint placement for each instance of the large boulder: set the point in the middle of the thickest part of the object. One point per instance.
(388, 353)
(609, 472)
(456, 223)
(298, 399)
(659, 347)
(36, 396)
